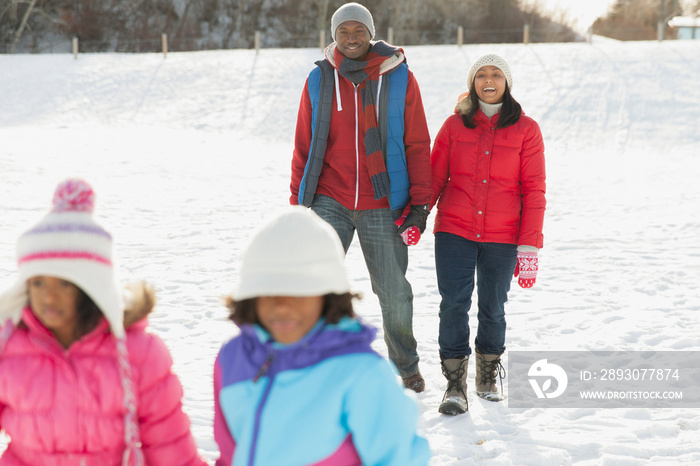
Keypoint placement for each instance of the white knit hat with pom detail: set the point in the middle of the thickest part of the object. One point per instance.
(490, 60)
(68, 244)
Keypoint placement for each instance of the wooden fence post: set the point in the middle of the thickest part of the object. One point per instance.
(164, 43)
(526, 34)
(257, 41)
(460, 36)
(75, 48)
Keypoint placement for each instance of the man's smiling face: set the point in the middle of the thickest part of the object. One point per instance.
(352, 39)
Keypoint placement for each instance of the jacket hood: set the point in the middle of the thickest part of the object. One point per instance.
(12, 301)
(263, 356)
(388, 65)
(464, 104)
(140, 299)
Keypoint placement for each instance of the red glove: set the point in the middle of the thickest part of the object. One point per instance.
(410, 235)
(526, 269)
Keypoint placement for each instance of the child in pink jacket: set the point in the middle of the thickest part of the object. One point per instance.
(81, 381)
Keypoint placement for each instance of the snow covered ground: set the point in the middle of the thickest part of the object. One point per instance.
(189, 153)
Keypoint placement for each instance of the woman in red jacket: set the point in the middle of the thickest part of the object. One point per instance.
(488, 182)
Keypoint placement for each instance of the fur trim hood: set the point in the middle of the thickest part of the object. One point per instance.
(464, 104)
(139, 299)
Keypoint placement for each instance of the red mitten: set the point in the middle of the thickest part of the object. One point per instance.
(526, 269)
(410, 235)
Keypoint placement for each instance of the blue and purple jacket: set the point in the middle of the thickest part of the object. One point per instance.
(328, 399)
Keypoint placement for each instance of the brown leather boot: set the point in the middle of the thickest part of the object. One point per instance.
(414, 382)
(488, 366)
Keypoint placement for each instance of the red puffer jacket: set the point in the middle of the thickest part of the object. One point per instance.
(64, 407)
(489, 183)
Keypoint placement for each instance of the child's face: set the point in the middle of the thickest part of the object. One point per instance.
(289, 318)
(490, 84)
(54, 302)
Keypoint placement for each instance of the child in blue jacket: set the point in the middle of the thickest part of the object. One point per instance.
(300, 384)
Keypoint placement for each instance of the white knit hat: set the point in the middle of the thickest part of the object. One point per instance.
(295, 254)
(352, 12)
(67, 243)
(490, 60)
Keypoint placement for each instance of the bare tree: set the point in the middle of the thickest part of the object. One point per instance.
(636, 19)
(136, 25)
(11, 9)
(322, 15)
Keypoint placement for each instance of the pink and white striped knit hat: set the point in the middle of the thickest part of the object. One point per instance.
(67, 243)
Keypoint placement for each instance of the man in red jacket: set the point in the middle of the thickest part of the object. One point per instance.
(362, 162)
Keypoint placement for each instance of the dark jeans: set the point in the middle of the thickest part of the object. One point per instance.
(456, 261)
(386, 257)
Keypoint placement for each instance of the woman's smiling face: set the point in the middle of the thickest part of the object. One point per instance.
(490, 84)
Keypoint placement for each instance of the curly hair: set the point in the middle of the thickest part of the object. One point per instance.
(509, 115)
(335, 307)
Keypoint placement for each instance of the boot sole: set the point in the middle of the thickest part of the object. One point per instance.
(490, 396)
(452, 409)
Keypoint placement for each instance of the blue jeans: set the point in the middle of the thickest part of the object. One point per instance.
(456, 261)
(386, 257)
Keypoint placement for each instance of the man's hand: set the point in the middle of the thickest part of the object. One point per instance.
(417, 217)
(411, 235)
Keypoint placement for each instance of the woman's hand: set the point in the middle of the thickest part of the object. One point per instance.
(526, 269)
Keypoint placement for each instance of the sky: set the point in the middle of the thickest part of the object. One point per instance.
(581, 13)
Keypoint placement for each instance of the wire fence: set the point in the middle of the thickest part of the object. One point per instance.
(457, 36)
(260, 40)
(638, 33)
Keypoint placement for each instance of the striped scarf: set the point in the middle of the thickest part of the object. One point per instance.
(365, 74)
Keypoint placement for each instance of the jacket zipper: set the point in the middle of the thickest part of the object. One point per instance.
(258, 412)
(357, 139)
(357, 151)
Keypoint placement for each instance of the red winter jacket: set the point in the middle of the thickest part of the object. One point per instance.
(489, 183)
(345, 154)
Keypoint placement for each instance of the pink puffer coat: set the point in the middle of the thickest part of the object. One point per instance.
(65, 406)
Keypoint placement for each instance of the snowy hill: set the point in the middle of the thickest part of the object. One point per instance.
(189, 153)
